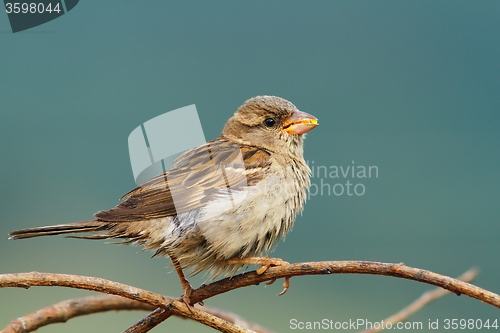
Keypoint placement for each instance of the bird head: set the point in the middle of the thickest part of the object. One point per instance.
(270, 122)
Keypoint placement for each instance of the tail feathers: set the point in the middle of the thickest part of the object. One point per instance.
(56, 229)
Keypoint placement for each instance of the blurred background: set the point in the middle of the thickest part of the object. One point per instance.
(411, 87)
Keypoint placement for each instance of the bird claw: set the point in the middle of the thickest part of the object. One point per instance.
(261, 270)
(270, 282)
(275, 262)
(285, 285)
(186, 296)
(268, 262)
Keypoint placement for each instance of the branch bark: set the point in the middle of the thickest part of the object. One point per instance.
(167, 306)
(26, 280)
(419, 303)
(65, 310)
(342, 267)
(320, 268)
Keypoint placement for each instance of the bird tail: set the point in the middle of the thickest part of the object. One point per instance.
(69, 228)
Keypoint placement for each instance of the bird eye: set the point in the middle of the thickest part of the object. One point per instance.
(269, 122)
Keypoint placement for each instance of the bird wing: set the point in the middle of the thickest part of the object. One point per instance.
(197, 177)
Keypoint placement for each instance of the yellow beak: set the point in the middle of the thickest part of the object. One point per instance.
(299, 123)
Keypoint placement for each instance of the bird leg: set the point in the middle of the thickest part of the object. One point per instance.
(186, 287)
(265, 263)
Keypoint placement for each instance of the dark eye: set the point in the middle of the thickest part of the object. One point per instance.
(269, 122)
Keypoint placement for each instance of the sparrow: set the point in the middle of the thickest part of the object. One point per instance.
(222, 205)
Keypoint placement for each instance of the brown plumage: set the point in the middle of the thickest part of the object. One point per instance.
(221, 203)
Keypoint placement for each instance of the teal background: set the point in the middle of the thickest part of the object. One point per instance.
(409, 86)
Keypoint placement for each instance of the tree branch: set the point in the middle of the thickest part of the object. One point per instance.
(26, 280)
(65, 310)
(325, 267)
(343, 267)
(419, 303)
(171, 306)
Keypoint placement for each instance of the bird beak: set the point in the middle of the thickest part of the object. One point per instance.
(299, 123)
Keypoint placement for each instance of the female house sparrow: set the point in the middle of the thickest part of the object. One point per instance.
(223, 204)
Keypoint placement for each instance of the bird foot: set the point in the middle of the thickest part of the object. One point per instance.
(265, 263)
(186, 296)
(186, 286)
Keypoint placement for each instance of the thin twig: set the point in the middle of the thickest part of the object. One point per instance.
(235, 319)
(149, 322)
(159, 315)
(419, 303)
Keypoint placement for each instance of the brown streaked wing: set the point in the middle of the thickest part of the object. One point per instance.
(197, 177)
